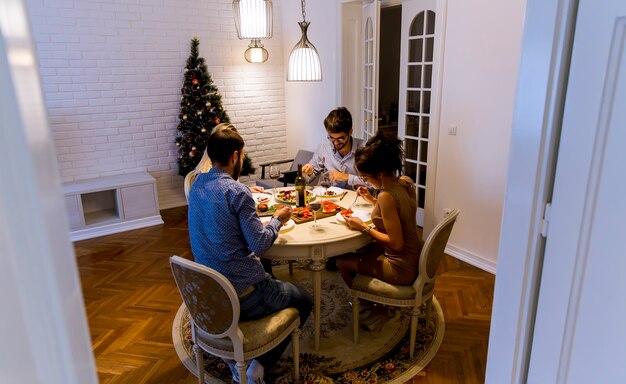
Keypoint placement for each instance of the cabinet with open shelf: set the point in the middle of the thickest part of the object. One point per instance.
(111, 204)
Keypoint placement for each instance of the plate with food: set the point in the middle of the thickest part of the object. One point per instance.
(329, 207)
(362, 214)
(330, 193)
(261, 198)
(289, 196)
(288, 226)
(302, 212)
(264, 209)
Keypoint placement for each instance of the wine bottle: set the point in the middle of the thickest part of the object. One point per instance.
(300, 184)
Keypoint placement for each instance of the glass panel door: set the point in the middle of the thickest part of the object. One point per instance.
(371, 29)
(417, 91)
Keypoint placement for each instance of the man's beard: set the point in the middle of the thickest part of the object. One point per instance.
(341, 146)
(237, 169)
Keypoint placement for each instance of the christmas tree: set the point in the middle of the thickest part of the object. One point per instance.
(200, 111)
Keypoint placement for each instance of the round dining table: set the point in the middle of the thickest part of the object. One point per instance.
(315, 245)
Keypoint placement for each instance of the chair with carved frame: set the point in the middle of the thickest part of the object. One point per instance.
(214, 310)
(413, 296)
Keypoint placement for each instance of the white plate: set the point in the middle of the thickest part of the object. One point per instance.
(288, 226)
(319, 192)
(362, 214)
(310, 196)
(262, 198)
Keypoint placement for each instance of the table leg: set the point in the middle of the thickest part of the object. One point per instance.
(316, 269)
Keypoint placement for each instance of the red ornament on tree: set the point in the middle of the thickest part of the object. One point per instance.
(200, 111)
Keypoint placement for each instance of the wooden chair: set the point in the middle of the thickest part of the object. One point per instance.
(422, 290)
(289, 176)
(214, 309)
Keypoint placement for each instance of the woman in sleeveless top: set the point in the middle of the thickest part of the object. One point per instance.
(395, 256)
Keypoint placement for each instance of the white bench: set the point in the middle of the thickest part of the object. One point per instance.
(111, 204)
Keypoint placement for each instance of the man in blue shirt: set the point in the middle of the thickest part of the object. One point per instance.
(337, 155)
(227, 235)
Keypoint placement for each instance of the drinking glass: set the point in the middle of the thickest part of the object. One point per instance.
(274, 174)
(325, 181)
(315, 206)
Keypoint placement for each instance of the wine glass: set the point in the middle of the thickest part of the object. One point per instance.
(325, 181)
(274, 173)
(315, 206)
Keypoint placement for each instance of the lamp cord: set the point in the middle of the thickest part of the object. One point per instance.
(303, 10)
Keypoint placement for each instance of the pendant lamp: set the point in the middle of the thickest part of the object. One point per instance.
(256, 53)
(304, 61)
(253, 19)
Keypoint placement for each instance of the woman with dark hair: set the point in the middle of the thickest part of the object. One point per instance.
(394, 258)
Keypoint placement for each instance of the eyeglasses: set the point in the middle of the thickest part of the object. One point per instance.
(337, 139)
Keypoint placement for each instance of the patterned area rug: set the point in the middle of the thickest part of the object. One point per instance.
(381, 356)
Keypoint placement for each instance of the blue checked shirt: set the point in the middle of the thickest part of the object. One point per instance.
(326, 155)
(225, 231)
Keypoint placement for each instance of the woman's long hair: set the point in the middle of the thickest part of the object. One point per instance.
(383, 152)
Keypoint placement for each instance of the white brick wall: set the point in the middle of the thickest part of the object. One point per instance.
(112, 73)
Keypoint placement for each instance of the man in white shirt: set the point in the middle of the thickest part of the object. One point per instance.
(337, 155)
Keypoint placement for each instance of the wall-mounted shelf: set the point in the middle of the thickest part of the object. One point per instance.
(111, 204)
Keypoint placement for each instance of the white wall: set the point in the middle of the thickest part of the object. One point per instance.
(482, 51)
(308, 103)
(112, 73)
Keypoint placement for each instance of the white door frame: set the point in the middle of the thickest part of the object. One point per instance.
(548, 33)
(369, 84)
(579, 334)
(44, 332)
(427, 218)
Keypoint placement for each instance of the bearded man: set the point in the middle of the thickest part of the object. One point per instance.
(337, 155)
(227, 235)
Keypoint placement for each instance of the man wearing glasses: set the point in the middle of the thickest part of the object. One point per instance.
(337, 155)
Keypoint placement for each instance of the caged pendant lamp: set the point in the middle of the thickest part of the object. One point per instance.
(253, 19)
(304, 61)
(256, 53)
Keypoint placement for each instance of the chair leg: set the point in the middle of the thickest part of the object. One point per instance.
(200, 362)
(290, 268)
(241, 371)
(295, 349)
(429, 311)
(414, 313)
(355, 319)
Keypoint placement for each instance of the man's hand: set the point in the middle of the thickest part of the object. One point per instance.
(307, 169)
(338, 176)
(256, 189)
(283, 212)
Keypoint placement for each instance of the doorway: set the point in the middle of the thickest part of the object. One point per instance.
(397, 87)
(389, 68)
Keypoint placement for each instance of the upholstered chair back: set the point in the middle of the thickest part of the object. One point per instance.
(210, 298)
(434, 249)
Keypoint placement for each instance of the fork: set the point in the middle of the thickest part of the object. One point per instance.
(354, 202)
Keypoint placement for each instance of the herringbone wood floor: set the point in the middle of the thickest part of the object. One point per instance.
(131, 301)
